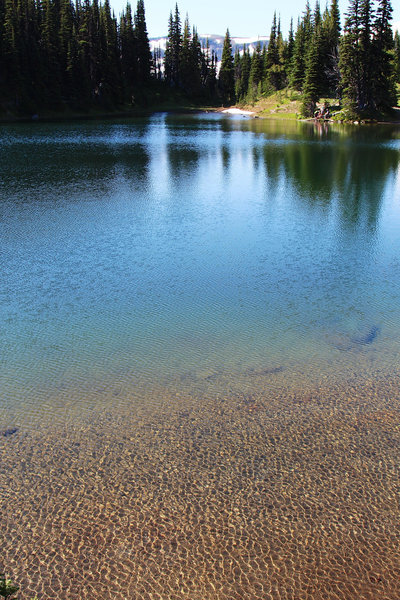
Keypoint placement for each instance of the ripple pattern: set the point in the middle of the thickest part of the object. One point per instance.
(284, 495)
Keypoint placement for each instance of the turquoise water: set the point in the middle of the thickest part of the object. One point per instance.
(172, 245)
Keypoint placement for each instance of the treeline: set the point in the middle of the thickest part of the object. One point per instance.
(359, 65)
(56, 53)
(76, 54)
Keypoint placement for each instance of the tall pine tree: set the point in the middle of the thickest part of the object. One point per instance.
(226, 79)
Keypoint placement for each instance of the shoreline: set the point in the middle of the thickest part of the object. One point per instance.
(275, 114)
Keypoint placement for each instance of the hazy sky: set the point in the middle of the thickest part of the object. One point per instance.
(214, 16)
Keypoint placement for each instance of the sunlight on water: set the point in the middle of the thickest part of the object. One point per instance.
(171, 245)
(199, 359)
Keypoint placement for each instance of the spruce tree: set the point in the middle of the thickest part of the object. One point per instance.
(273, 65)
(198, 62)
(317, 17)
(109, 64)
(173, 50)
(169, 53)
(256, 73)
(366, 101)
(242, 73)
(297, 66)
(128, 53)
(226, 79)
(365, 58)
(301, 46)
(383, 74)
(331, 28)
(50, 54)
(142, 45)
(206, 70)
(212, 82)
(349, 62)
(313, 77)
(396, 48)
(186, 65)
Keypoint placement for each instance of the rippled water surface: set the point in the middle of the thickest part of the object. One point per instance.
(199, 348)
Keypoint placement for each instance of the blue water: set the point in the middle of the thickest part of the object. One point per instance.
(169, 245)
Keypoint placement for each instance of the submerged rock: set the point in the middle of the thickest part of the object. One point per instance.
(348, 341)
(368, 337)
(9, 431)
(266, 371)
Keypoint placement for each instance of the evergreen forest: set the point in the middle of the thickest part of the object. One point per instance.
(76, 55)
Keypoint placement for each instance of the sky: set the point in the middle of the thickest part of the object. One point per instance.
(215, 16)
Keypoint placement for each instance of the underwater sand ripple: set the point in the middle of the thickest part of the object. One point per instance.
(256, 495)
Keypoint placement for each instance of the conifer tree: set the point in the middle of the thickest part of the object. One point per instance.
(199, 68)
(208, 75)
(10, 53)
(290, 44)
(272, 64)
(186, 65)
(128, 54)
(50, 53)
(66, 31)
(331, 27)
(256, 73)
(383, 74)
(157, 62)
(173, 49)
(212, 81)
(226, 81)
(242, 65)
(396, 48)
(366, 58)
(313, 78)
(349, 57)
(365, 64)
(273, 67)
(142, 45)
(317, 17)
(301, 46)
(297, 66)
(109, 65)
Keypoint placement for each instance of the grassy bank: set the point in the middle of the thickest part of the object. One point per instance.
(286, 104)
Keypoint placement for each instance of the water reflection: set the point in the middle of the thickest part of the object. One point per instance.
(191, 241)
(199, 324)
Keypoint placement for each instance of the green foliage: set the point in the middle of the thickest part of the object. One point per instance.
(313, 79)
(142, 47)
(383, 67)
(256, 72)
(366, 58)
(242, 66)
(62, 54)
(172, 59)
(74, 54)
(226, 79)
(396, 57)
(188, 68)
(274, 59)
(297, 67)
(7, 587)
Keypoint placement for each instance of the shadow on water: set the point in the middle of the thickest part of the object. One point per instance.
(58, 157)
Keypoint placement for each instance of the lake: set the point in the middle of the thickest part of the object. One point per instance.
(199, 359)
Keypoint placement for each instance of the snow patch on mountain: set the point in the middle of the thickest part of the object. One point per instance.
(216, 43)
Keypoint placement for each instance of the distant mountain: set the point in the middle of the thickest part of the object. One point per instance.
(216, 43)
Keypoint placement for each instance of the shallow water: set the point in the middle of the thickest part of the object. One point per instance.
(199, 343)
